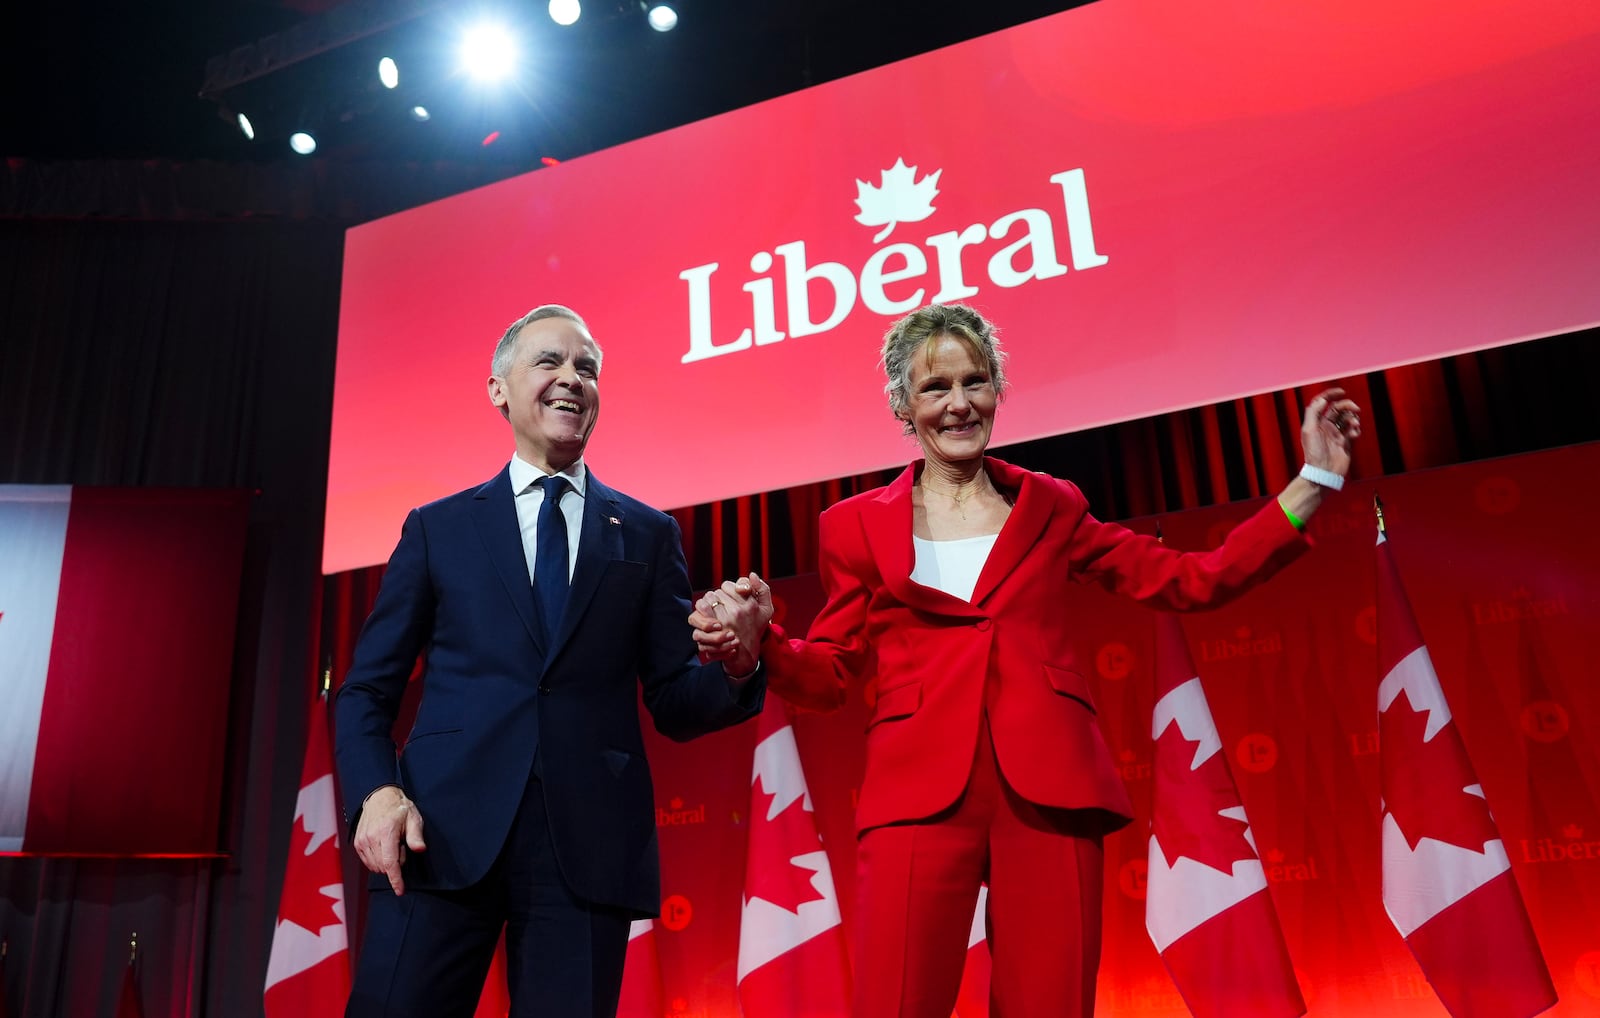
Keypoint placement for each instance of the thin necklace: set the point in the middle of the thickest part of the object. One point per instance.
(956, 496)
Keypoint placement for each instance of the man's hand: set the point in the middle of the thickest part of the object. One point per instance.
(390, 823)
(730, 621)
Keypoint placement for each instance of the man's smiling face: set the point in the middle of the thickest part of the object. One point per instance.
(551, 392)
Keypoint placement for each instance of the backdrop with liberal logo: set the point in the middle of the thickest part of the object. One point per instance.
(1502, 566)
(1163, 204)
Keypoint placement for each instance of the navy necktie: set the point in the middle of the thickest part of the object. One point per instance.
(550, 556)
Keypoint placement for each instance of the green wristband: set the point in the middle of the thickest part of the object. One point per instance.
(1299, 524)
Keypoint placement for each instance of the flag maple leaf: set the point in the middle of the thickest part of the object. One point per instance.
(792, 833)
(305, 906)
(899, 198)
(1426, 792)
(1192, 824)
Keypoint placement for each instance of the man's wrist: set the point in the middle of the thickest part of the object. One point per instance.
(381, 788)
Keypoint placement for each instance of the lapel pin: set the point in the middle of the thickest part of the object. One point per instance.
(614, 521)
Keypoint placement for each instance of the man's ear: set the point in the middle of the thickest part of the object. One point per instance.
(497, 394)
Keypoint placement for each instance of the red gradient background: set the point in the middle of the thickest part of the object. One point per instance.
(1284, 193)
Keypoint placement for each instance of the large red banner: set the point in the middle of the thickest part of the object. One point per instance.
(1502, 568)
(1163, 204)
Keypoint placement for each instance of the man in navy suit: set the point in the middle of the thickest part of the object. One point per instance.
(522, 798)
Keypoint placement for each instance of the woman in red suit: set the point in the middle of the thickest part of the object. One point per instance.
(984, 760)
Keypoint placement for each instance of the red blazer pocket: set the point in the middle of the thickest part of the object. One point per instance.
(896, 702)
(1069, 683)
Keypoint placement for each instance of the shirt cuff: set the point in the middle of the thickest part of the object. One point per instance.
(739, 680)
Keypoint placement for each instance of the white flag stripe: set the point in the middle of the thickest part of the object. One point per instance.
(1419, 885)
(767, 930)
(295, 949)
(1414, 673)
(979, 934)
(1186, 704)
(319, 810)
(1193, 892)
(33, 541)
(640, 927)
(777, 766)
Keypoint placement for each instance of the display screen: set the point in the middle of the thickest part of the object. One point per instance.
(1161, 204)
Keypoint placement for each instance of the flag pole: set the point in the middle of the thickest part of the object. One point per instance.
(133, 947)
(327, 681)
(1377, 508)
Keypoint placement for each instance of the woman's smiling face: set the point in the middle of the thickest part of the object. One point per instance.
(952, 400)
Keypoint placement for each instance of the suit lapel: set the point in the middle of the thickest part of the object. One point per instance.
(1029, 516)
(599, 543)
(887, 521)
(495, 514)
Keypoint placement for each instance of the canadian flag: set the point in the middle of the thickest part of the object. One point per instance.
(308, 972)
(792, 955)
(1447, 882)
(972, 1001)
(117, 613)
(642, 994)
(1206, 904)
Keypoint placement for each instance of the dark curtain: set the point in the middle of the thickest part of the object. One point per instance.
(183, 354)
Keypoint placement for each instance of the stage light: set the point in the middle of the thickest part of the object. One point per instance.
(420, 114)
(302, 143)
(388, 72)
(662, 18)
(565, 12)
(488, 53)
(246, 128)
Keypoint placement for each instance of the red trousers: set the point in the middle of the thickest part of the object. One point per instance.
(917, 887)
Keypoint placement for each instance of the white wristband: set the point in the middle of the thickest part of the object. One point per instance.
(1322, 478)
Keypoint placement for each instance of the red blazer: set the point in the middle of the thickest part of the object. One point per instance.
(930, 660)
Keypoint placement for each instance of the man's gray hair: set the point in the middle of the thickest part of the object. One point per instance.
(501, 365)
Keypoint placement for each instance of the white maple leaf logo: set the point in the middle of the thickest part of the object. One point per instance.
(899, 198)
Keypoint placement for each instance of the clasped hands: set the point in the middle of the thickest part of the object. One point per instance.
(729, 622)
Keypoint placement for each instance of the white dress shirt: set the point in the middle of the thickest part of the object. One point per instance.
(527, 481)
(951, 566)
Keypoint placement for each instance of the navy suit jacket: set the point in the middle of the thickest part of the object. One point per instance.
(496, 691)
